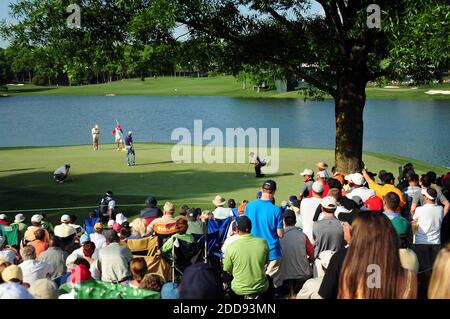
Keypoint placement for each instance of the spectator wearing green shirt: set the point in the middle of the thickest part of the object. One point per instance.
(246, 259)
(391, 202)
(181, 226)
(21, 226)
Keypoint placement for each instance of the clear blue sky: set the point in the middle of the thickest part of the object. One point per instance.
(4, 15)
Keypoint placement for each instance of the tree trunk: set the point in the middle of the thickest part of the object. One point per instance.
(349, 106)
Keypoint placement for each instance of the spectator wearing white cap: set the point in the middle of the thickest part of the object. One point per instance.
(308, 180)
(120, 219)
(356, 182)
(310, 289)
(6, 252)
(327, 233)
(321, 177)
(4, 220)
(33, 269)
(428, 219)
(35, 225)
(64, 230)
(308, 208)
(21, 226)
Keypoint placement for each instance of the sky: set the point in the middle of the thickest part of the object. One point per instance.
(4, 15)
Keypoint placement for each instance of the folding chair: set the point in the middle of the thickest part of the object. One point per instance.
(148, 248)
(184, 254)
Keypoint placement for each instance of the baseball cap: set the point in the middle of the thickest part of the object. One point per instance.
(244, 224)
(270, 185)
(19, 218)
(111, 223)
(129, 132)
(98, 226)
(67, 165)
(329, 202)
(317, 187)
(120, 218)
(117, 227)
(3, 216)
(84, 238)
(12, 272)
(292, 199)
(308, 172)
(356, 178)
(429, 193)
(374, 203)
(65, 219)
(350, 216)
(44, 289)
(325, 257)
(322, 174)
(36, 218)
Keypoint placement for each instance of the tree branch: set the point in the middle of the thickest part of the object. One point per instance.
(281, 19)
(334, 22)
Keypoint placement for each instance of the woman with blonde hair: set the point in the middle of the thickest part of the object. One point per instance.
(372, 268)
(439, 287)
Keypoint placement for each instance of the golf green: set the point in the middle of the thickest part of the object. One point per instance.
(27, 185)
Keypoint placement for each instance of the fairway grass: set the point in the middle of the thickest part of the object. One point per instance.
(206, 86)
(26, 177)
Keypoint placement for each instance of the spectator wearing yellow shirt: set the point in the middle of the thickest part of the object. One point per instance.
(387, 187)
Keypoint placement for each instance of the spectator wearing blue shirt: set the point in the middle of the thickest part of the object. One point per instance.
(267, 221)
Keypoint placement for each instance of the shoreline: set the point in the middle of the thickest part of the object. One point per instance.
(381, 155)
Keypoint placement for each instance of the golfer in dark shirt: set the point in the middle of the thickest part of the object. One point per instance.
(130, 149)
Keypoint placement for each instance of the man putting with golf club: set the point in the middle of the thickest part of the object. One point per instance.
(259, 162)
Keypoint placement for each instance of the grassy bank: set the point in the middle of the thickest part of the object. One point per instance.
(210, 86)
(27, 184)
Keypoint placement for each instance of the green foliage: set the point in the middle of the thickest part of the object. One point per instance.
(5, 70)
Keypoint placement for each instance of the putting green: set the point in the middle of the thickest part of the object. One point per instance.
(26, 180)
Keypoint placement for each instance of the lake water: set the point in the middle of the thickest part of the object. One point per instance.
(417, 129)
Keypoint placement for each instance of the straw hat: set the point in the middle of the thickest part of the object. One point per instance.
(219, 201)
(322, 165)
